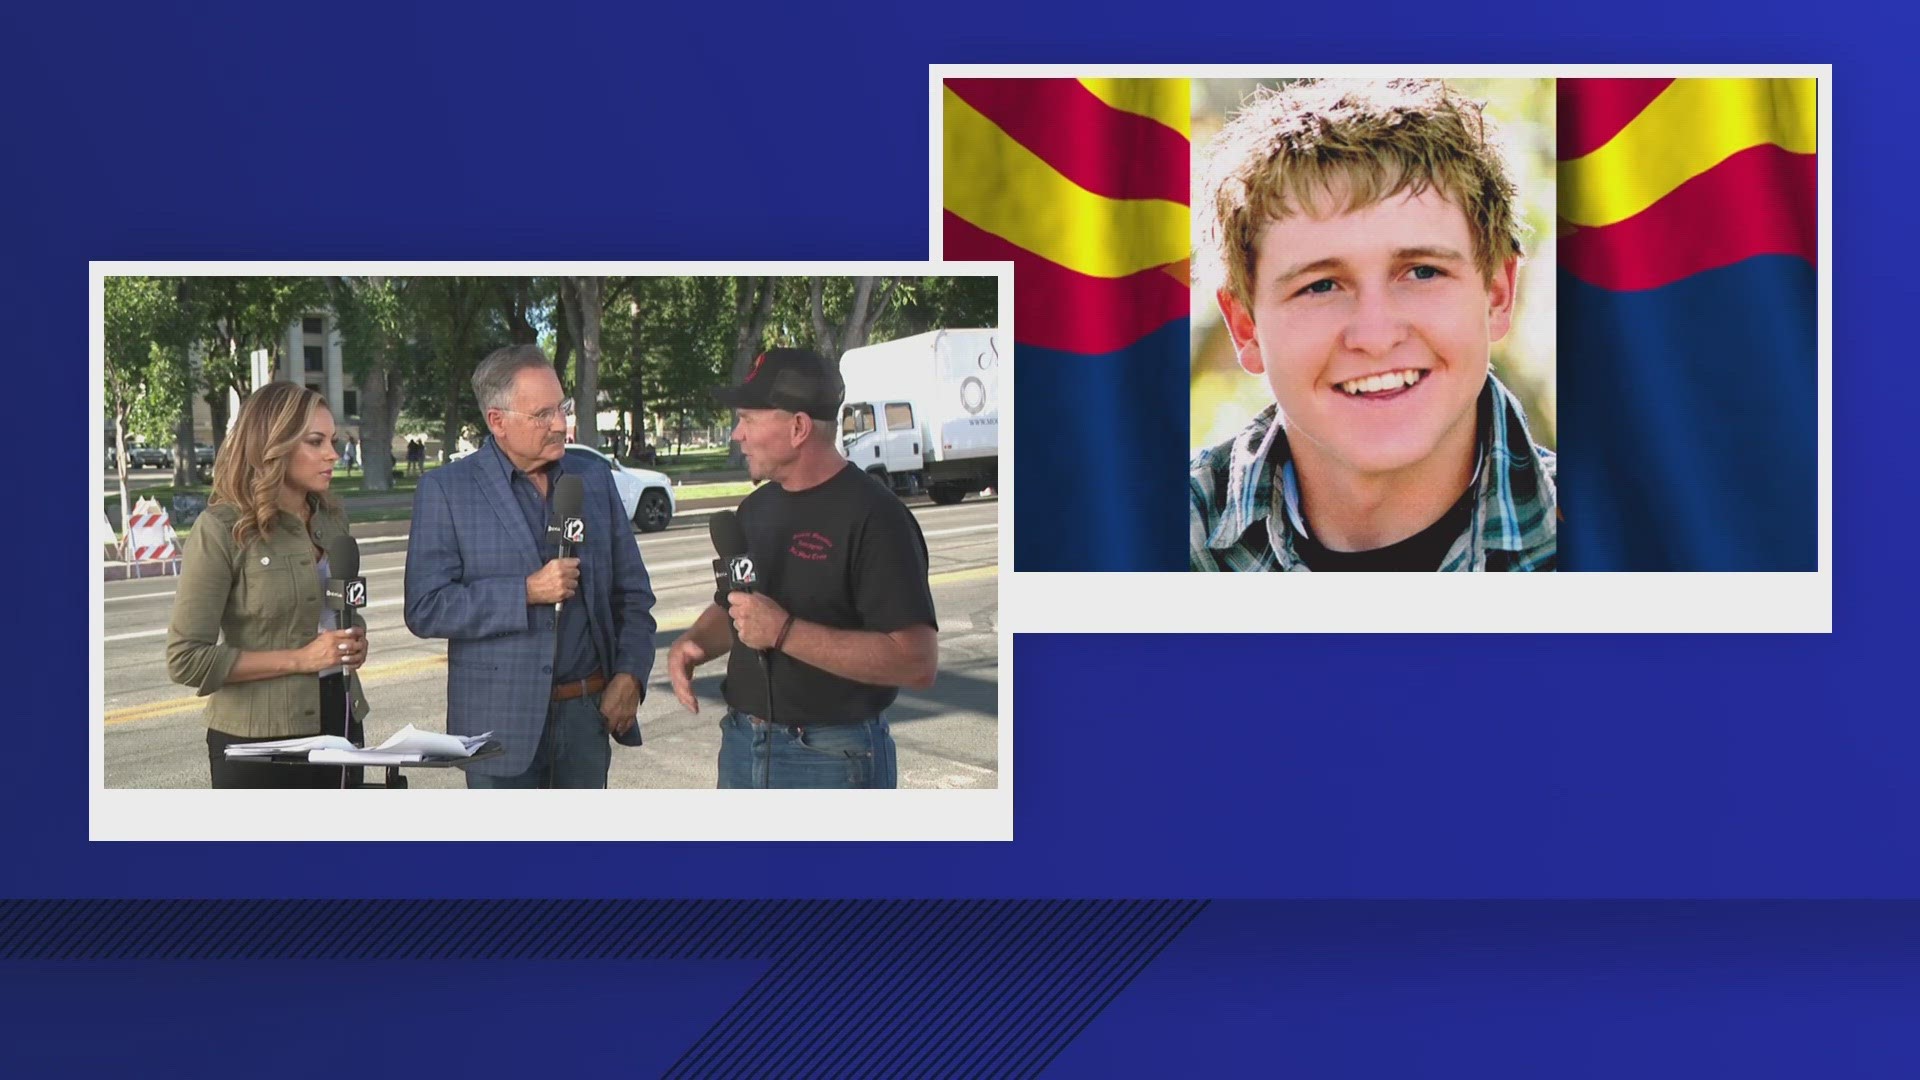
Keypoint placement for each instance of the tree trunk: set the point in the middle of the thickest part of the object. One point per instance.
(183, 424)
(450, 414)
(583, 318)
(752, 307)
(120, 456)
(863, 314)
(379, 411)
(462, 307)
(562, 335)
(184, 463)
(636, 381)
(513, 292)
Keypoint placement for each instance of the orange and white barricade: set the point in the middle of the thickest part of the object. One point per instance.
(150, 540)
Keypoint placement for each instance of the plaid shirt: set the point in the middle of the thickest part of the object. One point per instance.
(1235, 523)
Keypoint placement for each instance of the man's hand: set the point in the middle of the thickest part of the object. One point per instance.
(619, 701)
(756, 618)
(554, 582)
(685, 655)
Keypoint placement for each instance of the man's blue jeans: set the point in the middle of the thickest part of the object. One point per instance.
(756, 754)
(574, 752)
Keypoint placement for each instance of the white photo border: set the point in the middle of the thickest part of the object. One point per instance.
(617, 814)
(1182, 602)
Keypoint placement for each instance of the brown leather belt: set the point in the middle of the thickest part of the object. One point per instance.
(567, 691)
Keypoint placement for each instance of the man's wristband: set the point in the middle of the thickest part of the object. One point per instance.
(782, 639)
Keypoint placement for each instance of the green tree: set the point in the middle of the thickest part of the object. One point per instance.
(940, 303)
(145, 348)
(844, 311)
(453, 322)
(379, 354)
(231, 319)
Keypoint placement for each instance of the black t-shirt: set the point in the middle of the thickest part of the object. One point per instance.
(1422, 552)
(845, 554)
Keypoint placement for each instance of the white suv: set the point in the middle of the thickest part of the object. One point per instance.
(646, 495)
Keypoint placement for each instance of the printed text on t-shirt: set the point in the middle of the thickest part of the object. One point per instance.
(809, 545)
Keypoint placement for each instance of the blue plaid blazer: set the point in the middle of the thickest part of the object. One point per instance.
(468, 558)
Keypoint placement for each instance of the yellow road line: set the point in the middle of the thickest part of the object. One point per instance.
(678, 619)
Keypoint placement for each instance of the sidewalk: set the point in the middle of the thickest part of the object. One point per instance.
(116, 570)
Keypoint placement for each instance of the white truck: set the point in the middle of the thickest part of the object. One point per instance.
(922, 413)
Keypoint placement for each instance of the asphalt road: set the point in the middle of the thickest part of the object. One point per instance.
(947, 735)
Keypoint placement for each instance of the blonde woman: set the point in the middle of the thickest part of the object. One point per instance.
(249, 630)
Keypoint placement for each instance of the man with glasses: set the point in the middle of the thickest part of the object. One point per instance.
(550, 654)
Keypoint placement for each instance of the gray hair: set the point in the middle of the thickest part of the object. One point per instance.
(493, 379)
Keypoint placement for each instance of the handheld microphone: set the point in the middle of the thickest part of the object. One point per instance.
(568, 530)
(346, 589)
(733, 570)
(346, 593)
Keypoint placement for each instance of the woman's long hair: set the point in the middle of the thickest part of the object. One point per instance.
(252, 465)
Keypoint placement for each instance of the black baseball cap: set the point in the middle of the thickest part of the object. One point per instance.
(797, 380)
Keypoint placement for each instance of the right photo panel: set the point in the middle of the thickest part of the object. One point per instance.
(1506, 323)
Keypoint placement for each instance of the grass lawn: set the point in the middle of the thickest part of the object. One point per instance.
(683, 492)
(347, 487)
(356, 517)
(690, 462)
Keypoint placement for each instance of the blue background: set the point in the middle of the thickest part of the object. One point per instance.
(1527, 767)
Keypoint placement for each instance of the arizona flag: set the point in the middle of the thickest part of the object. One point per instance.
(1083, 185)
(1687, 324)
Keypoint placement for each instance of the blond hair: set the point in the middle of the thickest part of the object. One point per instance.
(1340, 145)
(252, 466)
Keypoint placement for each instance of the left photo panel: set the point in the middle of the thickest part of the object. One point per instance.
(674, 531)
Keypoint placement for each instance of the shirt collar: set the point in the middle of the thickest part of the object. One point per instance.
(1509, 475)
(506, 468)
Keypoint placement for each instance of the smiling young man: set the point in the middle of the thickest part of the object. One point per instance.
(1370, 245)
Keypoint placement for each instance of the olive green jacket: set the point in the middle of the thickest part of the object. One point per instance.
(259, 597)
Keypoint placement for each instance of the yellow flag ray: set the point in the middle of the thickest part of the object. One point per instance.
(1692, 126)
(1002, 187)
(1165, 100)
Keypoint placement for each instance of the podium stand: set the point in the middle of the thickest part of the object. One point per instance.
(489, 749)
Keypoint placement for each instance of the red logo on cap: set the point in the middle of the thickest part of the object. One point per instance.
(755, 369)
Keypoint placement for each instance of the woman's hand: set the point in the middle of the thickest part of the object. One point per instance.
(334, 648)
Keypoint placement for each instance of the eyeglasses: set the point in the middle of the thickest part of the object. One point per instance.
(545, 417)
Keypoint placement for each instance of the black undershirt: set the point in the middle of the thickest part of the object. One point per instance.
(1423, 552)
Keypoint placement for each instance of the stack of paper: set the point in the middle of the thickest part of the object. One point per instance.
(409, 744)
(303, 744)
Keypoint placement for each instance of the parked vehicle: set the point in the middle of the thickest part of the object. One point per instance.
(149, 457)
(922, 413)
(647, 496)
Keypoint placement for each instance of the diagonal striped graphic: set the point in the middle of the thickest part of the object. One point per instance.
(1083, 185)
(1692, 126)
(1606, 106)
(1108, 151)
(1001, 187)
(1163, 100)
(855, 987)
(1760, 201)
(1059, 309)
(1688, 326)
